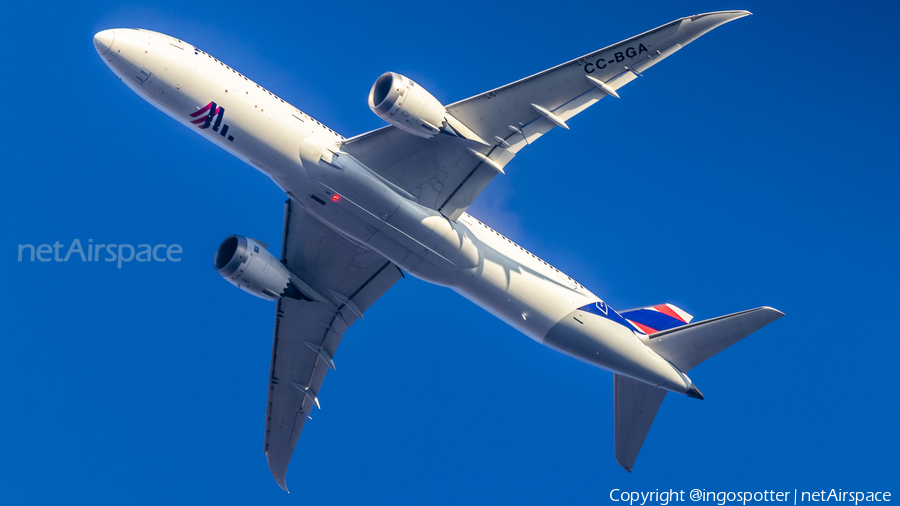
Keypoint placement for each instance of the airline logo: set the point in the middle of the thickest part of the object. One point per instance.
(211, 114)
(600, 308)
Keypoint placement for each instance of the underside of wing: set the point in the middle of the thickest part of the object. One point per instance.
(447, 172)
(307, 333)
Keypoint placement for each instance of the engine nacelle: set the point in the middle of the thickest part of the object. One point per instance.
(401, 102)
(248, 265)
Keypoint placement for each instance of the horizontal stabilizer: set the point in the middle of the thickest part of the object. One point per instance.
(636, 406)
(689, 345)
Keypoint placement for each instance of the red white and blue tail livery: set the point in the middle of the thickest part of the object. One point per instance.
(653, 319)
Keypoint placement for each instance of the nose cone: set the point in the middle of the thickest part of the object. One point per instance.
(103, 40)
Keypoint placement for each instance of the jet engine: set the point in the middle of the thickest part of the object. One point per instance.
(248, 265)
(401, 102)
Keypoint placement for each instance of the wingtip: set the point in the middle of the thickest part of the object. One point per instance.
(769, 308)
(730, 15)
(623, 460)
(279, 473)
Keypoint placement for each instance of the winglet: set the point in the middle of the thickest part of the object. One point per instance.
(278, 468)
(700, 24)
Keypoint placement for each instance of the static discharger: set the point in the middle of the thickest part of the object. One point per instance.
(549, 115)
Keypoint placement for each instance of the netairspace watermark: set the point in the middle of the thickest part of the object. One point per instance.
(90, 252)
(666, 497)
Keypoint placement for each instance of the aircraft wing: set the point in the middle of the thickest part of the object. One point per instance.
(307, 333)
(447, 173)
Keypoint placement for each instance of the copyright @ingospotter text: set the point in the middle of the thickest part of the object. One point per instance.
(721, 498)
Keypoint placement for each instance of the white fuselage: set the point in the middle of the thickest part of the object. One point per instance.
(304, 158)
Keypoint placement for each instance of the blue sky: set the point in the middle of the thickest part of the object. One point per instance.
(758, 166)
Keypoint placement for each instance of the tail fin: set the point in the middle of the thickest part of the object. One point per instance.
(691, 344)
(636, 406)
(658, 318)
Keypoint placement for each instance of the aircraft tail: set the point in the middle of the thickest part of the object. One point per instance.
(685, 346)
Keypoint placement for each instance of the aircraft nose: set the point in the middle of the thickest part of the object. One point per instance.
(103, 40)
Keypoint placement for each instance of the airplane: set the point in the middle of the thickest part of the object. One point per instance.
(362, 211)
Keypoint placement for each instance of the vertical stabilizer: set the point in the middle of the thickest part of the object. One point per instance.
(636, 407)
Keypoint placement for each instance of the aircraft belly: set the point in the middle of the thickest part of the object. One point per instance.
(514, 286)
